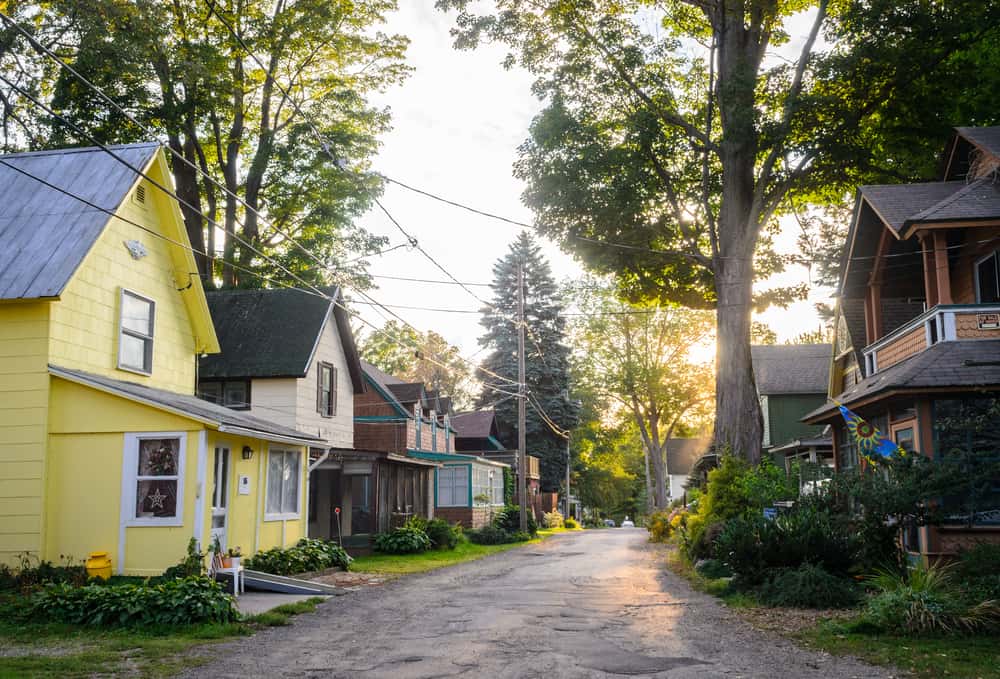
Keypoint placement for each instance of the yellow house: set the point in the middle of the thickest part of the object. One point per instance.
(103, 444)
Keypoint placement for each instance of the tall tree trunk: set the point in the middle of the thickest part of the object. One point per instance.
(649, 481)
(186, 188)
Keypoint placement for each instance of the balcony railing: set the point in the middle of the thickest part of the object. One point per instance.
(942, 323)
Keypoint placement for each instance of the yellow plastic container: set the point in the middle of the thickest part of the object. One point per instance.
(99, 565)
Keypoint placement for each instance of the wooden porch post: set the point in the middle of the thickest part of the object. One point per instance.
(930, 275)
(941, 268)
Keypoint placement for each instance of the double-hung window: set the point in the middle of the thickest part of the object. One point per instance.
(135, 335)
(326, 390)
(283, 474)
(453, 486)
(481, 489)
(154, 479)
(988, 279)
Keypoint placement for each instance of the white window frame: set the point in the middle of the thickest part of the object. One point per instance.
(122, 330)
(464, 469)
(995, 256)
(131, 478)
(283, 516)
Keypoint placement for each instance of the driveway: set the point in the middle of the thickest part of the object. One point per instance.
(585, 604)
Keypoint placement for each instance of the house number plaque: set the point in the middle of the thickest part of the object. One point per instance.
(988, 321)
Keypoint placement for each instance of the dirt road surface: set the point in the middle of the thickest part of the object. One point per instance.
(585, 604)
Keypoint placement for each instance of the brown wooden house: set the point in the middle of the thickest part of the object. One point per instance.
(917, 348)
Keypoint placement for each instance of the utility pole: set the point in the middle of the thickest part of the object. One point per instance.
(522, 457)
(566, 514)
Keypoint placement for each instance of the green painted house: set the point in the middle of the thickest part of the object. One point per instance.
(792, 381)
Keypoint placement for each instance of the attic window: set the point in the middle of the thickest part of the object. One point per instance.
(140, 194)
(135, 334)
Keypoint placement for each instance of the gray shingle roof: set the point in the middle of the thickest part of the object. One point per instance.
(383, 381)
(683, 453)
(987, 138)
(272, 333)
(971, 364)
(409, 392)
(185, 404)
(791, 368)
(896, 203)
(476, 424)
(45, 234)
(975, 201)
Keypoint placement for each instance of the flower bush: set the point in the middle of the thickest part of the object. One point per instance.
(552, 519)
(171, 602)
(307, 555)
(570, 522)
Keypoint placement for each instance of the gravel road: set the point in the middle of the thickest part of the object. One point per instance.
(584, 604)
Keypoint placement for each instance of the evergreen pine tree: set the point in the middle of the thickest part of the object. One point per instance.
(546, 357)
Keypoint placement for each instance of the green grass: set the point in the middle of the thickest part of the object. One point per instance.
(405, 564)
(45, 650)
(927, 658)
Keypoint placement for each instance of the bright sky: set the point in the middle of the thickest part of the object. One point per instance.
(458, 121)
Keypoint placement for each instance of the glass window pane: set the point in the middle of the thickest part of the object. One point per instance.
(236, 394)
(989, 286)
(158, 457)
(290, 480)
(133, 352)
(275, 471)
(137, 314)
(211, 391)
(156, 499)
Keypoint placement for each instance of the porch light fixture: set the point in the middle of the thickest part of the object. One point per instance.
(247, 453)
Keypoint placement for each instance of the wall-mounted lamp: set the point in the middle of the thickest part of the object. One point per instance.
(247, 453)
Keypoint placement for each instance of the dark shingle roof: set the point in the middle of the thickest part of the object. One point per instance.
(273, 333)
(896, 203)
(45, 234)
(971, 364)
(683, 453)
(409, 392)
(791, 368)
(383, 381)
(987, 138)
(975, 201)
(475, 424)
(185, 404)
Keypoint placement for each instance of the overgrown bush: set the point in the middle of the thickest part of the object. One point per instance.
(32, 573)
(307, 555)
(925, 601)
(402, 540)
(570, 522)
(442, 534)
(713, 569)
(809, 586)
(658, 525)
(509, 519)
(553, 519)
(173, 602)
(492, 535)
(190, 565)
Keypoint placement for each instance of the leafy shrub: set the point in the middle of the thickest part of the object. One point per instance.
(658, 525)
(809, 586)
(509, 519)
(442, 534)
(924, 601)
(491, 535)
(713, 569)
(552, 519)
(307, 555)
(192, 564)
(402, 540)
(32, 573)
(570, 522)
(981, 561)
(173, 602)
(417, 522)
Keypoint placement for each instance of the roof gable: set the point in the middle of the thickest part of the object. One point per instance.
(478, 424)
(44, 233)
(274, 333)
(381, 381)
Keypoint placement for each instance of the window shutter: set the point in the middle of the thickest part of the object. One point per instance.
(333, 391)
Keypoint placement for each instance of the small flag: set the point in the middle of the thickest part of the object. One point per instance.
(870, 440)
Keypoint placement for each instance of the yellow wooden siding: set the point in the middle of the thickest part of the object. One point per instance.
(24, 396)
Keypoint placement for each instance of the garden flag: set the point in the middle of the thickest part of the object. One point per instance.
(870, 440)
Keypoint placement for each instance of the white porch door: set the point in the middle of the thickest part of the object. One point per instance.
(220, 497)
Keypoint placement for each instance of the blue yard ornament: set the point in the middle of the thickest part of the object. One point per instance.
(871, 443)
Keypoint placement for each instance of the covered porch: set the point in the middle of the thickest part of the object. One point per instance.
(354, 494)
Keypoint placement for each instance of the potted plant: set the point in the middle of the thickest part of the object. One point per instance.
(233, 557)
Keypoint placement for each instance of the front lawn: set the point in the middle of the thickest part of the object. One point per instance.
(46, 650)
(954, 656)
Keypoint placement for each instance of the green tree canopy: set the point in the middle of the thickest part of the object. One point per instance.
(675, 132)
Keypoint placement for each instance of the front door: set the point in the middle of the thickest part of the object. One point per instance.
(220, 497)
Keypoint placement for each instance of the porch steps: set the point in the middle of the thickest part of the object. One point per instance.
(266, 582)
